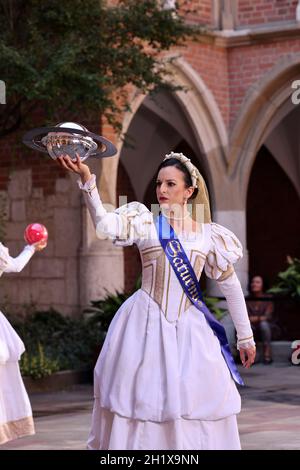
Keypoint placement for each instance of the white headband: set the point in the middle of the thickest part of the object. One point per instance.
(187, 162)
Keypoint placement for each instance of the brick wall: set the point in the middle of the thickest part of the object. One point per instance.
(246, 65)
(229, 73)
(211, 63)
(265, 11)
(197, 11)
(15, 156)
(33, 188)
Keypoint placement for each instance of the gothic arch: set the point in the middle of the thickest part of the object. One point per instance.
(267, 101)
(203, 115)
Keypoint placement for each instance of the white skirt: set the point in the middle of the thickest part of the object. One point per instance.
(114, 432)
(15, 410)
(162, 385)
(11, 345)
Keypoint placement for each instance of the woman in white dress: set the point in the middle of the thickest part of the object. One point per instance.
(15, 410)
(161, 381)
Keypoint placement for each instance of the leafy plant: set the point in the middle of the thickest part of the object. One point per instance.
(211, 303)
(69, 341)
(81, 55)
(288, 281)
(101, 312)
(38, 365)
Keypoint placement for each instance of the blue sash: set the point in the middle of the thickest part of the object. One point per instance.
(189, 283)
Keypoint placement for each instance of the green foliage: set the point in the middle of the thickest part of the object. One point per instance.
(211, 303)
(79, 54)
(71, 342)
(288, 281)
(101, 312)
(37, 365)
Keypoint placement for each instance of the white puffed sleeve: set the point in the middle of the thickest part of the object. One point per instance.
(8, 264)
(225, 250)
(125, 226)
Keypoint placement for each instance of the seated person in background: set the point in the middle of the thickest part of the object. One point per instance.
(260, 314)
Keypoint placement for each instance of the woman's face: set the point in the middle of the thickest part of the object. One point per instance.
(170, 187)
(257, 284)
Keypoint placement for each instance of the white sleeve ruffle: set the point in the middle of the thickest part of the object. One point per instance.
(225, 250)
(4, 258)
(232, 291)
(8, 264)
(125, 226)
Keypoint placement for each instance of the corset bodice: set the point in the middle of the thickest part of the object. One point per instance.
(159, 279)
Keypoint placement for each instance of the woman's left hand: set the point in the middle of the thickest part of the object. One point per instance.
(247, 356)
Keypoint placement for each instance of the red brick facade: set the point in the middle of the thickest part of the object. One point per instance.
(227, 72)
(198, 11)
(230, 72)
(229, 67)
(246, 65)
(265, 11)
(15, 156)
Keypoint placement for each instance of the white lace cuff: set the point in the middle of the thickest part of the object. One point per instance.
(89, 185)
(231, 289)
(245, 343)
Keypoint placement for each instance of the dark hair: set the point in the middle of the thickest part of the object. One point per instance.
(180, 166)
(265, 284)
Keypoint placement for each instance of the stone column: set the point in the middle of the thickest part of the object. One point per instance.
(234, 220)
(101, 263)
(298, 12)
(225, 14)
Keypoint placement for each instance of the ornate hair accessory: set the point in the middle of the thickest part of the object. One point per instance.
(187, 162)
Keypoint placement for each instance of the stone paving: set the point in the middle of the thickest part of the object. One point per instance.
(270, 417)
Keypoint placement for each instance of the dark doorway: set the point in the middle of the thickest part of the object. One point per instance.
(273, 229)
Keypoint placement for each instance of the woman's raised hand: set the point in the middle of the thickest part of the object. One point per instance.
(76, 166)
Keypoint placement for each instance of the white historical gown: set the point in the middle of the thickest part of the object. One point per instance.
(161, 381)
(15, 410)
